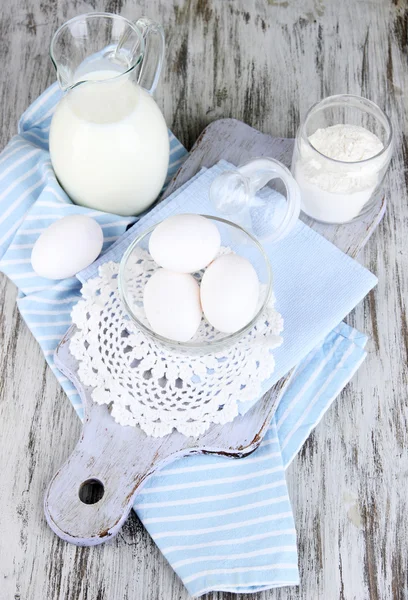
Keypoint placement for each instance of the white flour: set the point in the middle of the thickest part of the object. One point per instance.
(337, 192)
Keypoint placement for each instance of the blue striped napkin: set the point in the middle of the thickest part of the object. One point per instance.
(222, 524)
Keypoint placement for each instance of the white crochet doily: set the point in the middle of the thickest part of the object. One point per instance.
(158, 388)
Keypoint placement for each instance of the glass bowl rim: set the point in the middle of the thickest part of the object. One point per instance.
(230, 338)
(336, 101)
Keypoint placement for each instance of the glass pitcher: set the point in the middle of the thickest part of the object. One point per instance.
(109, 143)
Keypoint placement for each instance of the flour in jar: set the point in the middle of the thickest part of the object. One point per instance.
(334, 191)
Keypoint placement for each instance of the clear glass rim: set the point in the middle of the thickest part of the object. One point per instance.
(98, 15)
(203, 346)
(337, 100)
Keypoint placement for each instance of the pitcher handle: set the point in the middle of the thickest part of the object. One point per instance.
(153, 37)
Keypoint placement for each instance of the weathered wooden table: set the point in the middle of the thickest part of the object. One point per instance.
(263, 63)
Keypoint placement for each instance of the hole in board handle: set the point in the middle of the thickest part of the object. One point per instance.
(91, 491)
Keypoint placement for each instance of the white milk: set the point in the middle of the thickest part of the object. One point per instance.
(109, 145)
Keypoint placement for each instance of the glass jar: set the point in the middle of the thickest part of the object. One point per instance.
(342, 190)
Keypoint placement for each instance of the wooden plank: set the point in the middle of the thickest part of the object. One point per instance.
(264, 63)
(122, 458)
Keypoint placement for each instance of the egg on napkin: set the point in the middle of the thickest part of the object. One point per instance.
(66, 247)
(172, 304)
(229, 293)
(185, 243)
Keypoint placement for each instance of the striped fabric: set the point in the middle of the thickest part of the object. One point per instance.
(30, 200)
(227, 524)
(221, 524)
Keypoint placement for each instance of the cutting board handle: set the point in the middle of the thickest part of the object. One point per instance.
(112, 467)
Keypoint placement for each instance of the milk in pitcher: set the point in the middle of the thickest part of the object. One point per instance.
(109, 144)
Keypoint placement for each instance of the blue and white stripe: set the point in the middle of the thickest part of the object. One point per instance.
(30, 200)
(228, 525)
(221, 524)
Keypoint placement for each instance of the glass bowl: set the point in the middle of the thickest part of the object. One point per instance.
(137, 266)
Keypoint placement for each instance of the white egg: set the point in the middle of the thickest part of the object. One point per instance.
(185, 243)
(66, 247)
(229, 293)
(172, 304)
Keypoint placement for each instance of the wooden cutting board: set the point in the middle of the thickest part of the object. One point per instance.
(90, 497)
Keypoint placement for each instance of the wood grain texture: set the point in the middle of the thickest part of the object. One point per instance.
(263, 62)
